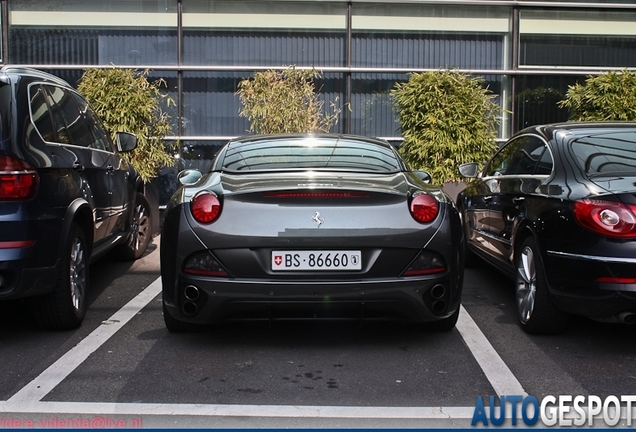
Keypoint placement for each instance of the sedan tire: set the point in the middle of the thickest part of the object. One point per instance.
(65, 307)
(536, 312)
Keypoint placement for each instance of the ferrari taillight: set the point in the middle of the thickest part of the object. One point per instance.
(426, 263)
(204, 264)
(608, 218)
(424, 208)
(205, 207)
(18, 179)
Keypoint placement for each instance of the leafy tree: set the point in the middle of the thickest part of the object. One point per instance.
(284, 101)
(609, 96)
(447, 118)
(126, 101)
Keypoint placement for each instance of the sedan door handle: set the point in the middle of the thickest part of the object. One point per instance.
(488, 198)
(78, 166)
(518, 200)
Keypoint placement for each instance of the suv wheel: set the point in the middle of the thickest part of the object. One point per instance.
(65, 307)
(140, 231)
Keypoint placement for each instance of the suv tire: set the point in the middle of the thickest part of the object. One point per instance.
(140, 231)
(64, 308)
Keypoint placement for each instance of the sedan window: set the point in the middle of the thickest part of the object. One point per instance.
(606, 153)
(500, 162)
(527, 156)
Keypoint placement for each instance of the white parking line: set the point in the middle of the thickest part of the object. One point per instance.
(264, 411)
(497, 372)
(29, 398)
(58, 371)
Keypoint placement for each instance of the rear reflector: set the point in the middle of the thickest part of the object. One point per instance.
(616, 280)
(16, 244)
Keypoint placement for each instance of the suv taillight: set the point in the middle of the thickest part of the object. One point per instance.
(18, 179)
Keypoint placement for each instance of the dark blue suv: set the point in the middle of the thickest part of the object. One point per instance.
(66, 196)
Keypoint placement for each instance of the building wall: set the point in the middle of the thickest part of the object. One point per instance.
(528, 52)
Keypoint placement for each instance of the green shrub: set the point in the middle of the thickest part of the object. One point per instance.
(126, 101)
(609, 96)
(447, 118)
(284, 101)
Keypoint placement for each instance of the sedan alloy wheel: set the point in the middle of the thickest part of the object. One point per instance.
(535, 309)
(526, 284)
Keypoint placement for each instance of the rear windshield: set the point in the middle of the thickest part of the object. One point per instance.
(310, 153)
(607, 154)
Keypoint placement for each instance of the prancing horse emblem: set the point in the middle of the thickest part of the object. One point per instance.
(318, 220)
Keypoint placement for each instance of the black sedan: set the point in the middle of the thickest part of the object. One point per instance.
(555, 209)
(310, 227)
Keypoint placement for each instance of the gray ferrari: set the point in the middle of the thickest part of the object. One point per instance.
(316, 226)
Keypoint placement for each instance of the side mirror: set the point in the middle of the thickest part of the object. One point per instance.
(126, 141)
(469, 170)
(189, 177)
(423, 175)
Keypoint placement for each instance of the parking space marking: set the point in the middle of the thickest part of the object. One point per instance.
(58, 371)
(29, 398)
(501, 378)
(276, 411)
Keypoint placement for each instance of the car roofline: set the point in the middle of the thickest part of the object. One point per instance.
(35, 73)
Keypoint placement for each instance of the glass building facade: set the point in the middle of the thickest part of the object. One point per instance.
(528, 52)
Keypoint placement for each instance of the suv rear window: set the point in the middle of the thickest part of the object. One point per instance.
(62, 116)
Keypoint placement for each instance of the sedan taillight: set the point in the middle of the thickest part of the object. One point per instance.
(18, 179)
(424, 208)
(606, 217)
(205, 207)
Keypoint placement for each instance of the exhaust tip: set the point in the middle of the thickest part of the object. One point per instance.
(191, 293)
(439, 306)
(438, 291)
(627, 317)
(190, 308)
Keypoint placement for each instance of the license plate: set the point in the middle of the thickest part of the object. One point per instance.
(317, 260)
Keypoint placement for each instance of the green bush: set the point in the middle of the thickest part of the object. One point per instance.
(284, 101)
(447, 118)
(126, 101)
(609, 96)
